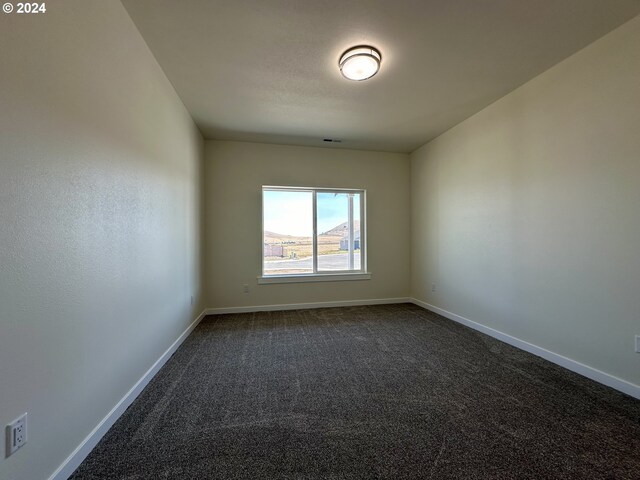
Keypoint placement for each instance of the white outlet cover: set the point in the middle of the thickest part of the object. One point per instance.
(637, 343)
(16, 434)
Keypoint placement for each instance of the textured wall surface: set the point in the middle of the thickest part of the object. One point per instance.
(526, 216)
(235, 173)
(99, 236)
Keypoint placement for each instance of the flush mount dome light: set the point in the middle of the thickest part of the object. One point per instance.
(360, 63)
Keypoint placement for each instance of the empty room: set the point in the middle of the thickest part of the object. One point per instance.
(330, 239)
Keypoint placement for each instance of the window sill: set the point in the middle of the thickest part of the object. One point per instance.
(311, 277)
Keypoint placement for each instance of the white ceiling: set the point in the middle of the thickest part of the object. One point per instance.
(266, 70)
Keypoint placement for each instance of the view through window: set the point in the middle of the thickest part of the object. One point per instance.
(312, 231)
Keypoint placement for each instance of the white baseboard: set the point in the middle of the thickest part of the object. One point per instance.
(584, 370)
(299, 306)
(74, 460)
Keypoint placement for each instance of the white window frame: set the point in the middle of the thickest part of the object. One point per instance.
(320, 276)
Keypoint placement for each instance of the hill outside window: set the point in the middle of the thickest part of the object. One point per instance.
(313, 234)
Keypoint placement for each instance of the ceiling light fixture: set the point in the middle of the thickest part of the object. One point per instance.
(359, 63)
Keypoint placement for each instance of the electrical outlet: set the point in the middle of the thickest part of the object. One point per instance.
(191, 299)
(245, 288)
(433, 287)
(637, 343)
(16, 434)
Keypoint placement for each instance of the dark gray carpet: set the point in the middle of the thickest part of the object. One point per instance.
(390, 391)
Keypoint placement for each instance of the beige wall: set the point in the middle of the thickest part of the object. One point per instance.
(99, 236)
(234, 175)
(527, 215)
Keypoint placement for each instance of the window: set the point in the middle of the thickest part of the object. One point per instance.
(313, 232)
